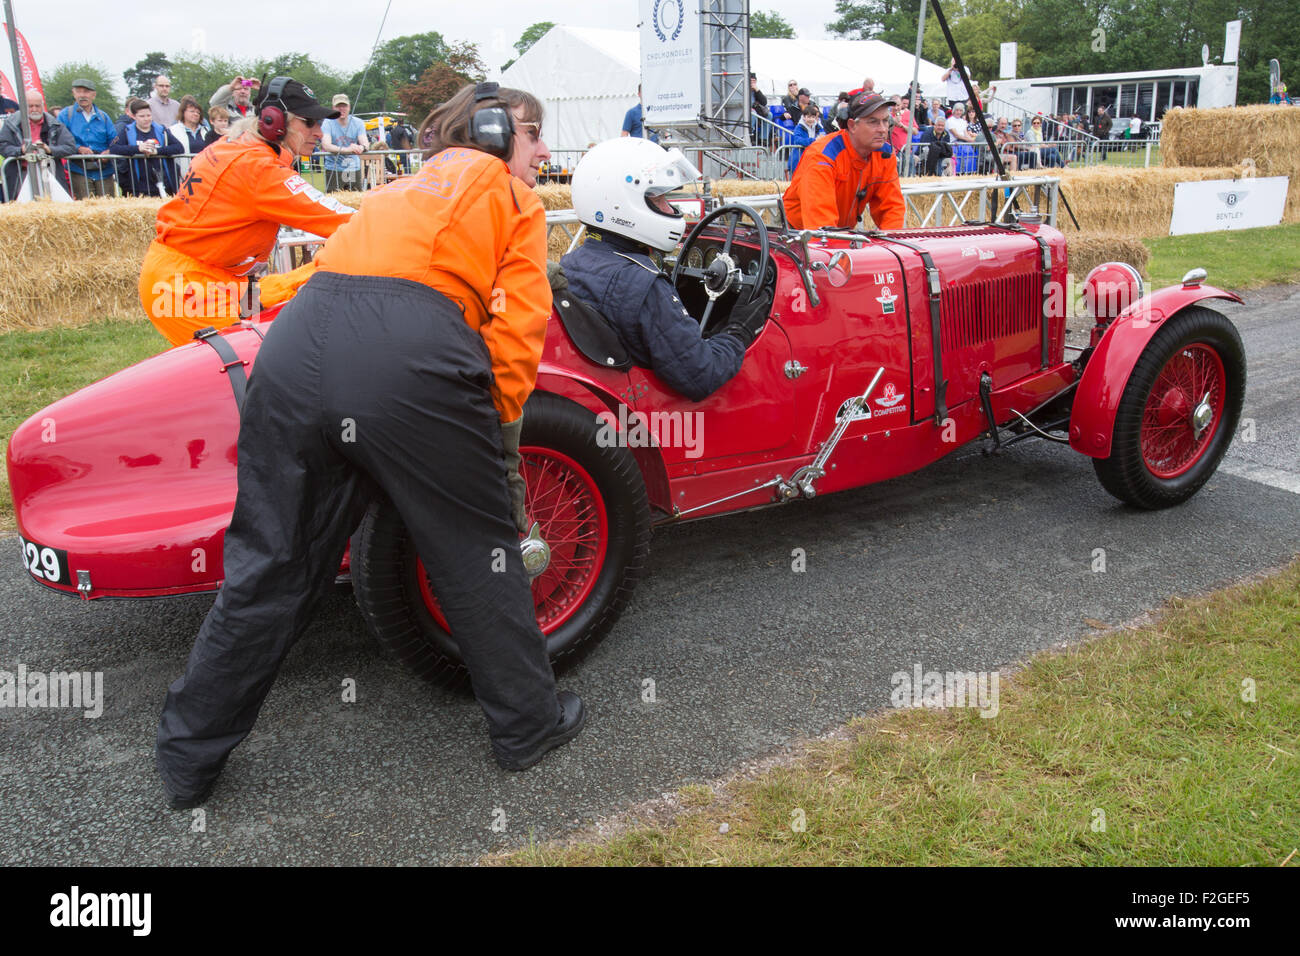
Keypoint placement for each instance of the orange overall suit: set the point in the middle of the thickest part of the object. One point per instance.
(833, 183)
(221, 224)
(465, 228)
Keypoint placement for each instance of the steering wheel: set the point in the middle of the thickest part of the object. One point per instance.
(724, 272)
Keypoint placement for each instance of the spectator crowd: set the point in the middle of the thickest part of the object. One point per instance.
(147, 150)
(945, 136)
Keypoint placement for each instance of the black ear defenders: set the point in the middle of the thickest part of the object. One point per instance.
(492, 128)
(273, 121)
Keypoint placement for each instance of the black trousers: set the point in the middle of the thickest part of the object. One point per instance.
(363, 385)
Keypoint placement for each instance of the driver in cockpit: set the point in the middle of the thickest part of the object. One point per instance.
(618, 194)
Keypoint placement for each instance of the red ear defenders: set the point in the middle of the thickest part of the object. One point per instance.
(491, 129)
(273, 121)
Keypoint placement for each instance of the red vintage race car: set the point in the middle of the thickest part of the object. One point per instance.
(885, 351)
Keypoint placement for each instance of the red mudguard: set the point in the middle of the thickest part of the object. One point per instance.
(1092, 419)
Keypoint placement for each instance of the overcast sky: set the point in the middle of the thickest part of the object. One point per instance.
(339, 33)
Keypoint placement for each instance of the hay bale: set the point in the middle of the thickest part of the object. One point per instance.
(738, 188)
(78, 262)
(1090, 249)
(70, 263)
(1258, 137)
(1129, 201)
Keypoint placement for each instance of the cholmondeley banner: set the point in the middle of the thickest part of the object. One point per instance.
(26, 62)
(670, 61)
(7, 88)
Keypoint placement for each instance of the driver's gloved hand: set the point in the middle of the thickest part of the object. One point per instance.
(510, 434)
(748, 319)
(556, 277)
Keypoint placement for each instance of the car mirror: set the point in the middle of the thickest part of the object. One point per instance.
(838, 271)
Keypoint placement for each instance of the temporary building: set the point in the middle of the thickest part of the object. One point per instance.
(587, 78)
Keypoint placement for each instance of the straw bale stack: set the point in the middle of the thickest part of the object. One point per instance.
(69, 263)
(1089, 249)
(1262, 138)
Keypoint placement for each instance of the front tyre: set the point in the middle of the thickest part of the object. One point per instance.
(1178, 413)
(591, 504)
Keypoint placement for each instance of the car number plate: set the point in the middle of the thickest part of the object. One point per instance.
(45, 563)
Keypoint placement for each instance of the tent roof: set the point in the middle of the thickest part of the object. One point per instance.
(587, 77)
(578, 62)
(584, 61)
(826, 67)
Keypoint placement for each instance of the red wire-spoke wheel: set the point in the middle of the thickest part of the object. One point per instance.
(1183, 411)
(1178, 412)
(590, 505)
(565, 502)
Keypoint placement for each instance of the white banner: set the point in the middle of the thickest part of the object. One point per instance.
(1008, 71)
(1232, 41)
(670, 61)
(1227, 204)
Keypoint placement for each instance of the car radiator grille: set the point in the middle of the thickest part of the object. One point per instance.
(989, 309)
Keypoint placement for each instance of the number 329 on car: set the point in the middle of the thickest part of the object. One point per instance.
(45, 564)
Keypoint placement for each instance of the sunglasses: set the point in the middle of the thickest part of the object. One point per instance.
(534, 130)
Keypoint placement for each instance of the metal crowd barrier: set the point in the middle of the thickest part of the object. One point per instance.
(932, 204)
(976, 158)
(377, 167)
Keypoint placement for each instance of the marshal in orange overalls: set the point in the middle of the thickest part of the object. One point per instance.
(833, 184)
(221, 224)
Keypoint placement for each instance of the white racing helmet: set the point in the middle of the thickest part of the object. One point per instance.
(614, 183)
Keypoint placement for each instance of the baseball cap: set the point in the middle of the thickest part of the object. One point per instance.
(299, 100)
(864, 104)
(83, 82)
(803, 91)
(341, 98)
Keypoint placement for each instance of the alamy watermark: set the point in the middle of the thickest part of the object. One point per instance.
(179, 298)
(921, 688)
(77, 909)
(634, 429)
(80, 690)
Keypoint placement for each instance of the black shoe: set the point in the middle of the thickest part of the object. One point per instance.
(177, 802)
(573, 716)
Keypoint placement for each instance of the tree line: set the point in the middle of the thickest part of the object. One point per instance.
(1067, 37)
(409, 74)
(414, 73)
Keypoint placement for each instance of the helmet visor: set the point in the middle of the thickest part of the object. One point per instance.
(674, 172)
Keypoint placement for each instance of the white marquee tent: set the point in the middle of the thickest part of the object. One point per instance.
(587, 78)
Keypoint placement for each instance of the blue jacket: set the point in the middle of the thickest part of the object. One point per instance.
(636, 298)
(802, 139)
(95, 133)
(139, 175)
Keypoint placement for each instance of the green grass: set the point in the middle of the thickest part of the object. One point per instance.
(1235, 259)
(1148, 727)
(38, 367)
(1135, 157)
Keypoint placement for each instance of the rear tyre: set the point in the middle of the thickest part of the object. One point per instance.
(1178, 413)
(591, 504)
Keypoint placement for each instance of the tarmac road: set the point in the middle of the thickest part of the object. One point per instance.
(972, 564)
